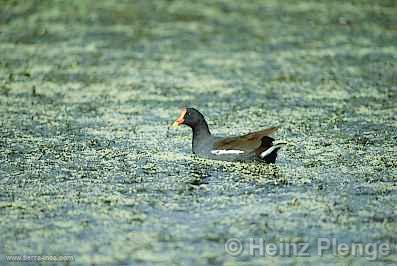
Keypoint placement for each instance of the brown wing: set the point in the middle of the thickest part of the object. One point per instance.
(247, 143)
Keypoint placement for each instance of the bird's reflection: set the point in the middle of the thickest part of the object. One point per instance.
(199, 174)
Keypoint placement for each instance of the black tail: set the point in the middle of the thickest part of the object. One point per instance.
(268, 151)
(271, 157)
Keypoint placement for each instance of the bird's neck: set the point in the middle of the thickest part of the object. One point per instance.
(200, 132)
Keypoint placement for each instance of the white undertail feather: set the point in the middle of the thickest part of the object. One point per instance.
(220, 152)
(271, 149)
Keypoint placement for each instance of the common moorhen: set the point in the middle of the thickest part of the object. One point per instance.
(250, 147)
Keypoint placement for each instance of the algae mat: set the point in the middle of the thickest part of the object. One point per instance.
(90, 169)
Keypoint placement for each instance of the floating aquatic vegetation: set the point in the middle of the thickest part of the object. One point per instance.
(89, 168)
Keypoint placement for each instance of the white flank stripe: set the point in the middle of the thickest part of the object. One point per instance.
(220, 152)
(270, 150)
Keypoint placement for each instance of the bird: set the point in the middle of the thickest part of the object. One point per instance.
(254, 146)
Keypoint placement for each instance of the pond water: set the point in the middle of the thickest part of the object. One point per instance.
(89, 166)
